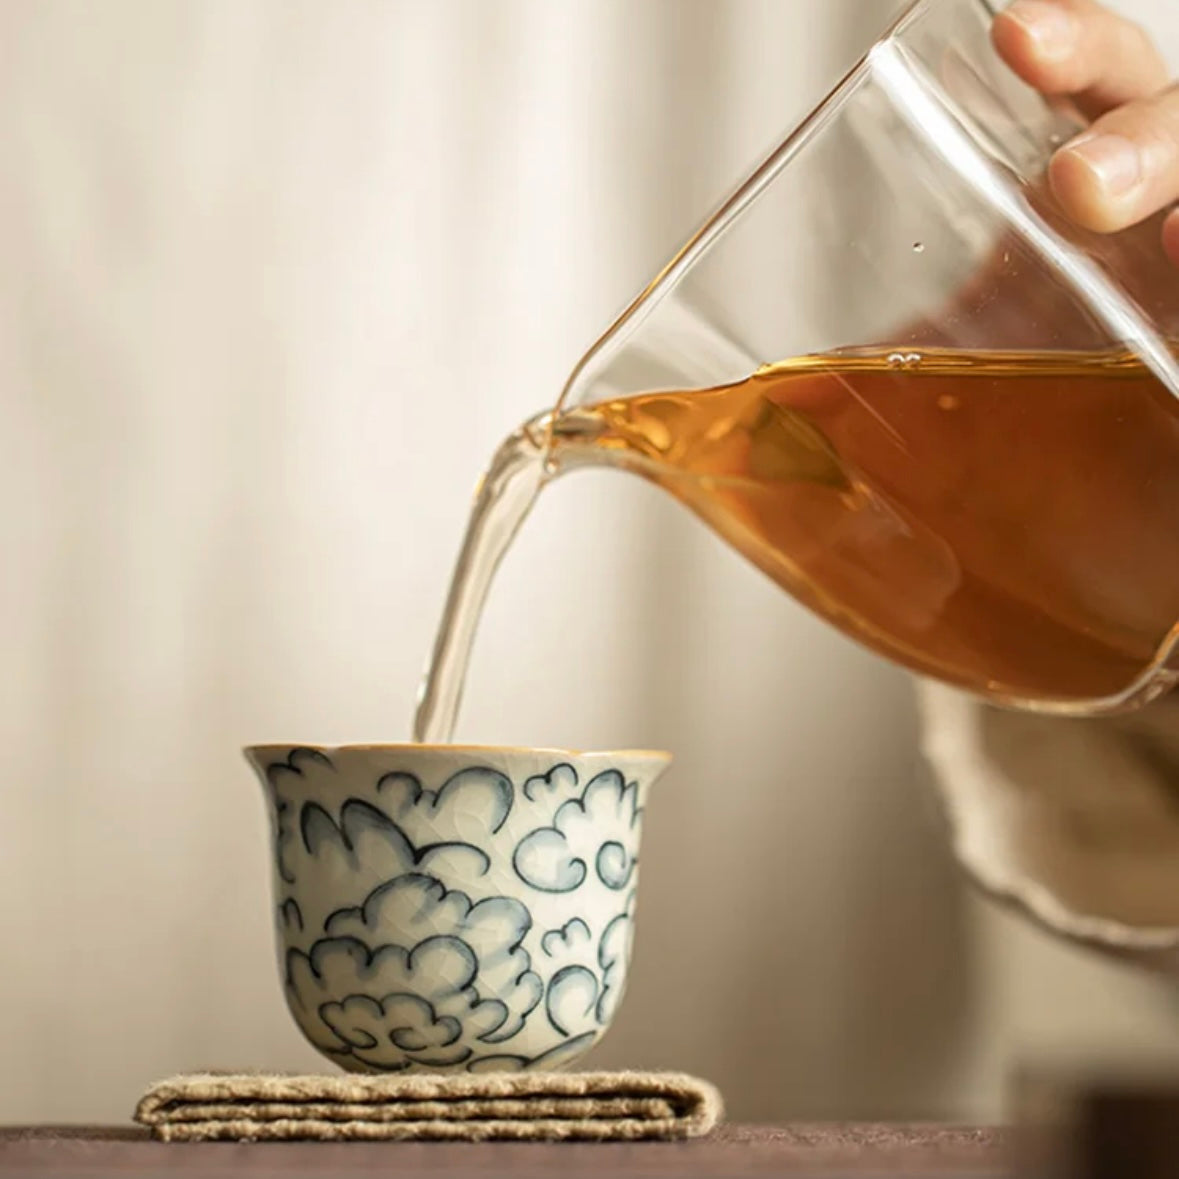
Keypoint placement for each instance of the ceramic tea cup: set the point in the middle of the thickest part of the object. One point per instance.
(454, 907)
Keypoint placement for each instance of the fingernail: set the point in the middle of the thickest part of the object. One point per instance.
(1050, 26)
(1115, 160)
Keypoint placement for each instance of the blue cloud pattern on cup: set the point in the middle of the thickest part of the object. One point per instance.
(599, 829)
(452, 908)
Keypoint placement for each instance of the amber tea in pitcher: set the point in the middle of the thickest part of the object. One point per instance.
(880, 489)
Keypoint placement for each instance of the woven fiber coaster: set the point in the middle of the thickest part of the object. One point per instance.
(595, 1107)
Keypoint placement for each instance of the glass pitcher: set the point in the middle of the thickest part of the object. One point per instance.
(968, 457)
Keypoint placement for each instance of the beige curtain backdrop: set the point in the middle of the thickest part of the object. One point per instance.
(274, 279)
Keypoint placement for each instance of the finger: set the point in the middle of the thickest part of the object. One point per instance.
(1124, 168)
(1079, 49)
(1171, 237)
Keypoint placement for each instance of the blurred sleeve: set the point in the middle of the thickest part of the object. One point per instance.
(1073, 822)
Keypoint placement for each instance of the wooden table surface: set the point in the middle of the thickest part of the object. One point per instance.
(798, 1150)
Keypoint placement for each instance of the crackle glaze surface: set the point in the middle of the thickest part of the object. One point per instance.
(451, 907)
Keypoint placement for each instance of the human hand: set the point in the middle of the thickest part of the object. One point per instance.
(1126, 166)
